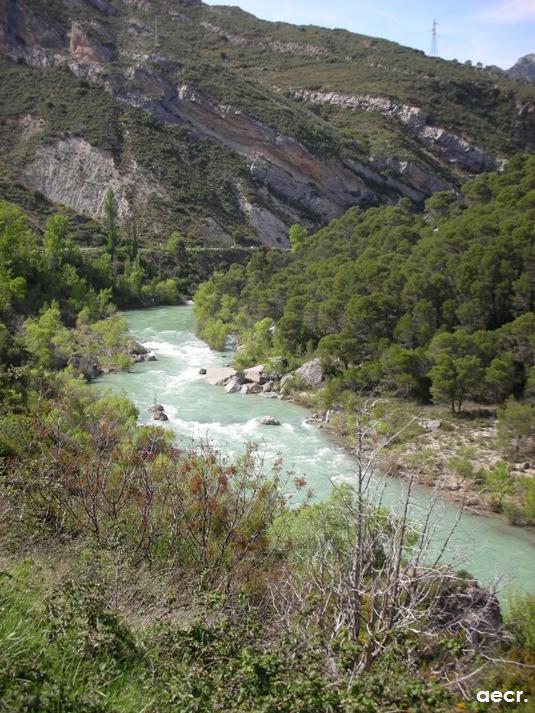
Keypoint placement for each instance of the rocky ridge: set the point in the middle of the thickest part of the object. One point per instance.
(283, 178)
(454, 148)
(296, 48)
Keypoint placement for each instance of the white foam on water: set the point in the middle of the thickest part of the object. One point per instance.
(187, 375)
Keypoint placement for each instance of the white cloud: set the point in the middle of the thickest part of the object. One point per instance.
(510, 11)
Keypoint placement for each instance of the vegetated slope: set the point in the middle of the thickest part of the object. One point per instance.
(231, 128)
(433, 304)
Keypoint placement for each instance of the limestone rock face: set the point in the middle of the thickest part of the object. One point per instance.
(453, 147)
(87, 49)
(311, 372)
(72, 172)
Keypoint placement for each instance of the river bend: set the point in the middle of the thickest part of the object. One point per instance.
(486, 546)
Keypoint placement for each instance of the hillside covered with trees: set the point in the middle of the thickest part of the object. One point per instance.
(432, 304)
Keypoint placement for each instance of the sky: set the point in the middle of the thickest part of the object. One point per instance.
(489, 31)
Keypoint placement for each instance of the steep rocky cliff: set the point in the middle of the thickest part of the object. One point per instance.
(208, 120)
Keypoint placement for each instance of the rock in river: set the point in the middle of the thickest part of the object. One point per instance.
(251, 388)
(269, 421)
(256, 374)
(160, 416)
(233, 385)
(219, 375)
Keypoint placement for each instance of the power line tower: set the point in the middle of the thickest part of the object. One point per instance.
(434, 42)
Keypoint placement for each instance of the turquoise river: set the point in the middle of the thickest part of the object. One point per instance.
(493, 551)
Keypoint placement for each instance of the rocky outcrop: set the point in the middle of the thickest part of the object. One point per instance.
(86, 49)
(412, 179)
(297, 48)
(454, 148)
(410, 116)
(42, 42)
(524, 68)
(255, 380)
(72, 172)
(320, 185)
(311, 372)
(470, 609)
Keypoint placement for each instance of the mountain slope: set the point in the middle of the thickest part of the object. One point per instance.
(231, 128)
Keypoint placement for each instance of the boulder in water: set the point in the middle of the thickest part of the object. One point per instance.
(256, 374)
(202, 371)
(219, 375)
(233, 385)
(269, 421)
(137, 349)
(156, 408)
(160, 416)
(251, 388)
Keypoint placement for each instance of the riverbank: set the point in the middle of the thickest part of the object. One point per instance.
(488, 547)
(460, 456)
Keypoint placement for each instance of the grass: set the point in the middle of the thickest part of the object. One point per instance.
(44, 668)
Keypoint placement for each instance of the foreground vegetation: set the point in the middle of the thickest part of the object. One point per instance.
(135, 576)
(139, 577)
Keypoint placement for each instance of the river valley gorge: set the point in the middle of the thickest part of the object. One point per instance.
(486, 546)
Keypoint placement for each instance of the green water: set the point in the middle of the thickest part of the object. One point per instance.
(489, 548)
